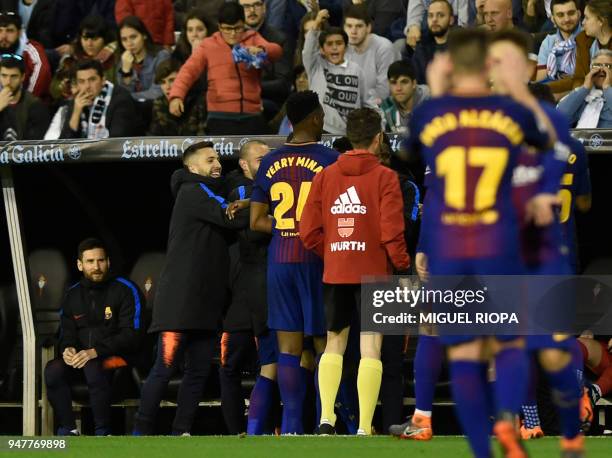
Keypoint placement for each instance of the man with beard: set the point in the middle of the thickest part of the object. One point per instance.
(192, 288)
(14, 41)
(371, 52)
(439, 21)
(275, 78)
(245, 322)
(22, 115)
(100, 329)
(557, 55)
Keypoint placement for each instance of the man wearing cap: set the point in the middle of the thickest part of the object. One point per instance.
(14, 41)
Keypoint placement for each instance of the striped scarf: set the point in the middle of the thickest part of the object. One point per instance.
(562, 58)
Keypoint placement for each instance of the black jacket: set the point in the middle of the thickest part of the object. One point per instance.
(106, 316)
(27, 120)
(248, 310)
(423, 55)
(192, 290)
(122, 118)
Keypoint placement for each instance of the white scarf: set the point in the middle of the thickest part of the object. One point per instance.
(94, 125)
(590, 115)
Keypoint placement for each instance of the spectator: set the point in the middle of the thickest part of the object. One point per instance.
(307, 23)
(497, 15)
(557, 54)
(597, 34)
(280, 124)
(164, 123)
(100, 108)
(439, 22)
(183, 7)
(192, 288)
(384, 14)
(416, 20)
(405, 96)
(275, 79)
(35, 16)
(369, 51)
(590, 106)
(140, 58)
(95, 41)
(100, 330)
(14, 41)
(157, 16)
(537, 16)
(339, 83)
(22, 115)
(196, 27)
(234, 91)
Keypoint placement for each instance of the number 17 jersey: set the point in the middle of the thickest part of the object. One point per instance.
(283, 182)
(471, 146)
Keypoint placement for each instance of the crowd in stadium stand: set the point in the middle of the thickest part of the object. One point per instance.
(234, 63)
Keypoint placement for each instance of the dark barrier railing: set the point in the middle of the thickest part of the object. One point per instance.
(170, 148)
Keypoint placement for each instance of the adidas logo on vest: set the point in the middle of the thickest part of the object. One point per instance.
(348, 203)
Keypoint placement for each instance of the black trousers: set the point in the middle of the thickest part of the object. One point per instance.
(197, 349)
(238, 353)
(59, 376)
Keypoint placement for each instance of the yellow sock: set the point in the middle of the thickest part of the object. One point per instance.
(330, 373)
(368, 386)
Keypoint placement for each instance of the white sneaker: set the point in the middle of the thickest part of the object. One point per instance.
(361, 432)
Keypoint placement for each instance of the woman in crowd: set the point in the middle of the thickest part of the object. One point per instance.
(138, 60)
(197, 26)
(597, 34)
(94, 41)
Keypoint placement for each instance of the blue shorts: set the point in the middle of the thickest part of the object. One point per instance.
(557, 341)
(295, 298)
(267, 348)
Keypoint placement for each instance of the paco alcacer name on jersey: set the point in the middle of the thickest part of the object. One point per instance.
(347, 203)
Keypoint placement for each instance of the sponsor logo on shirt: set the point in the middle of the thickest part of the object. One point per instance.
(348, 203)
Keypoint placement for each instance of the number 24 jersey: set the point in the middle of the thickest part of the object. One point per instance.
(283, 182)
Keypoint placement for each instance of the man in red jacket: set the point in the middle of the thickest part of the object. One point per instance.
(353, 218)
(234, 86)
(13, 40)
